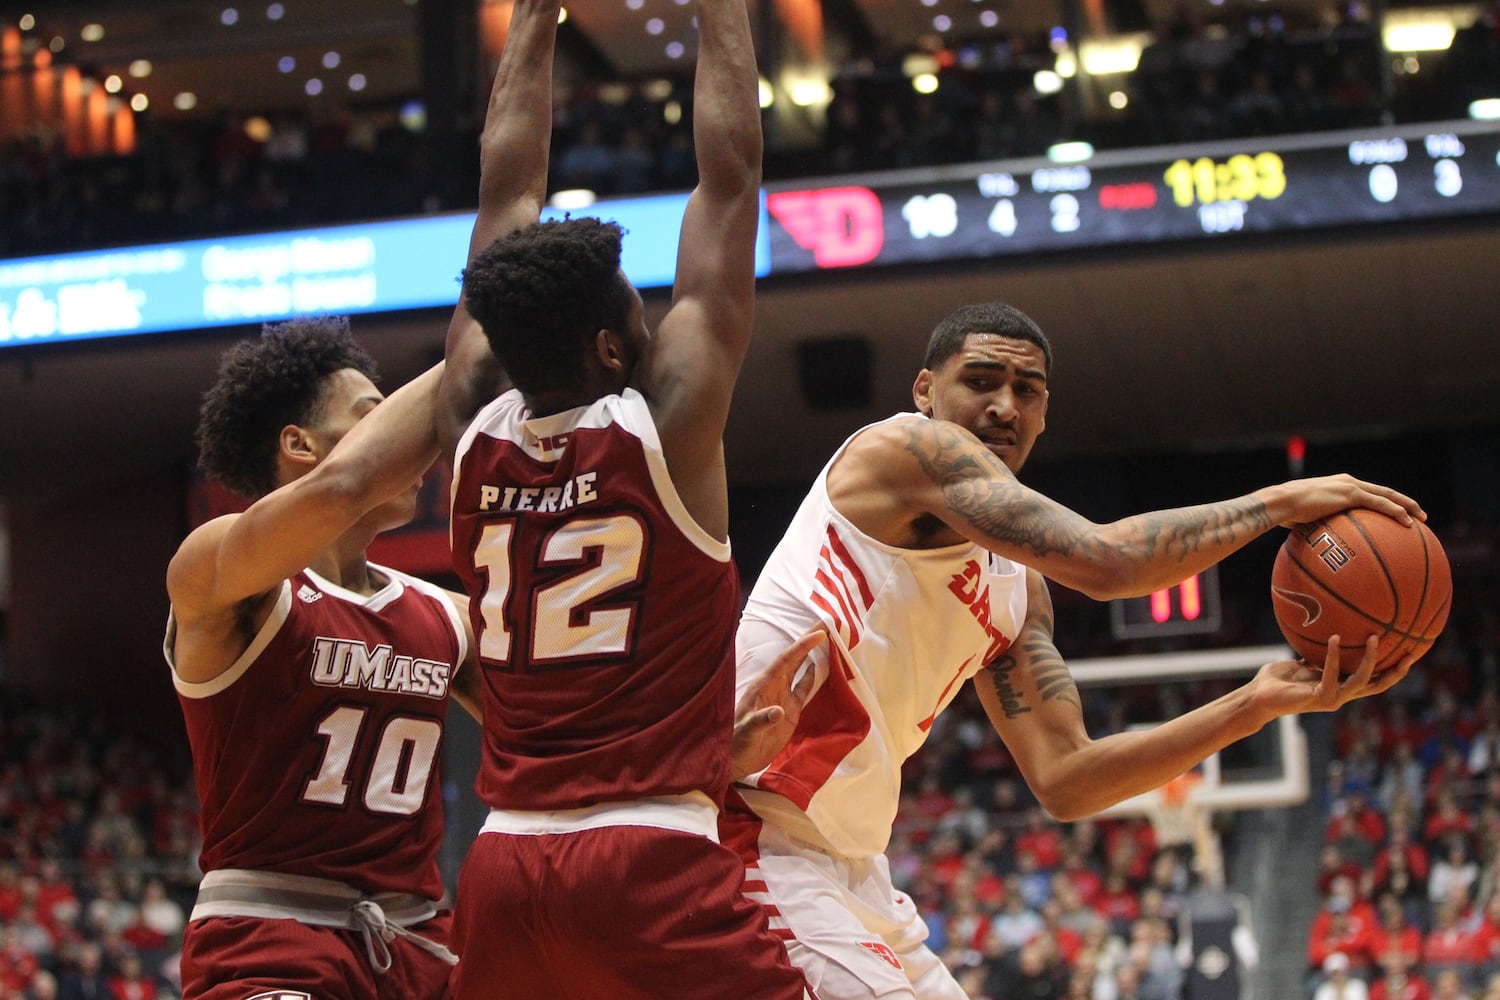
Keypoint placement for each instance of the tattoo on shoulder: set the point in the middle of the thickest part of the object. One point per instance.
(982, 490)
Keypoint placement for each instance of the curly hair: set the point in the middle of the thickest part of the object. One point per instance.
(542, 293)
(265, 383)
(983, 317)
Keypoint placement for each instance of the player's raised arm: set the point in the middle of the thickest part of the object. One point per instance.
(514, 147)
(689, 370)
(942, 470)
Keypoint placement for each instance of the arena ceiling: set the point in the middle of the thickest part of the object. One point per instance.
(229, 53)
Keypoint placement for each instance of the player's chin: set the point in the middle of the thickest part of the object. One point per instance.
(1005, 451)
(399, 511)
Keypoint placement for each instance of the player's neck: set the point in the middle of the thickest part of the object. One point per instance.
(545, 404)
(348, 567)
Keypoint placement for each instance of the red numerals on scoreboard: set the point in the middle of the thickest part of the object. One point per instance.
(1191, 606)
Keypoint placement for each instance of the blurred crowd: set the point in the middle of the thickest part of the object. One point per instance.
(98, 848)
(1409, 870)
(1197, 79)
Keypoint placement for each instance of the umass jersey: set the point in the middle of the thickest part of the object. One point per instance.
(317, 752)
(603, 613)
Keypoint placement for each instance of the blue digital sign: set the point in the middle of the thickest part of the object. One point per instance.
(372, 267)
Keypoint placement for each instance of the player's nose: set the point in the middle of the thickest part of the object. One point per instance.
(1002, 405)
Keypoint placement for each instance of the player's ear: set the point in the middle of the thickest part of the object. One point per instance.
(610, 349)
(921, 392)
(296, 445)
(296, 450)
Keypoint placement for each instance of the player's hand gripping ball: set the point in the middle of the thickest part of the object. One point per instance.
(1355, 574)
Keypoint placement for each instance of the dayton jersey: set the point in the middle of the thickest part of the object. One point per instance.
(604, 615)
(908, 627)
(317, 752)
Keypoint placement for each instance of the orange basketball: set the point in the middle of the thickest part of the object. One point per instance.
(1355, 574)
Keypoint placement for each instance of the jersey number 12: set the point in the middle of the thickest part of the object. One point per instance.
(607, 553)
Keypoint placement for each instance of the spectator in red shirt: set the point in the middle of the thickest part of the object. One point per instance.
(10, 890)
(1448, 818)
(931, 801)
(1358, 722)
(1451, 769)
(1080, 874)
(1067, 941)
(1400, 983)
(945, 860)
(132, 982)
(18, 963)
(1487, 936)
(1401, 726)
(1337, 928)
(1118, 903)
(1357, 819)
(1413, 853)
(1399, 881)
(1449, 945)
(1332, 865)
(1042, 838)
(1396, 939)
(1129, 846)
(967, 924)
(56, 901)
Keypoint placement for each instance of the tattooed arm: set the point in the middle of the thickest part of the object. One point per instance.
(1033, 704)
(921, 483)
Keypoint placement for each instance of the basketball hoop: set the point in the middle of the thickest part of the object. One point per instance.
(1173, 814)
(1178, 818)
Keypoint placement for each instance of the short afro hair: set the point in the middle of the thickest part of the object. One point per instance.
(984, 317)
(264, 384)
(542, 293)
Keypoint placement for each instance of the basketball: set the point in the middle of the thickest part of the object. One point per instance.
(1358, 573)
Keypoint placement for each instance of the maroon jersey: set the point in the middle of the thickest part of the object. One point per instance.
(317, 753)
(603, 614)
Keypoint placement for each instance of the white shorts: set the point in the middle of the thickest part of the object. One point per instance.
(845, 926)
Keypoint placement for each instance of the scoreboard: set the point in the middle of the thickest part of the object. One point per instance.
(1181, 193)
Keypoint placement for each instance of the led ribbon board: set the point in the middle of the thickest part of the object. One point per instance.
(371, 267)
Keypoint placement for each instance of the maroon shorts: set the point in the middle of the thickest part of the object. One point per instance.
(240, 958)
(624, 912)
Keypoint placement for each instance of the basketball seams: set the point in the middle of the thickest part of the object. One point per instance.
(1373, 549)
(1312, 577)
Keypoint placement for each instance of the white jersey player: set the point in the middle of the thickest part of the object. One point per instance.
(924, 558)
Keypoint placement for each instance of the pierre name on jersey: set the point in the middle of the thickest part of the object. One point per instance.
(543, 499)
(349, 663)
